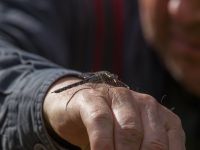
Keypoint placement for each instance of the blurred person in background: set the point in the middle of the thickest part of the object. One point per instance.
(152, 45)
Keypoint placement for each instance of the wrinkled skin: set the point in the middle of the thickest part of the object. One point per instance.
(102, 117)
(173, 27)
(113, 118)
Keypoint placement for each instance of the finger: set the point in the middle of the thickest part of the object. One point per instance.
(155, 135)
(98, 120)
(175, 131)
(128, 127)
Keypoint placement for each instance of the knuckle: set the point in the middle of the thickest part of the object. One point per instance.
(178, 126)
(148, 97)
(176, 120)
(130, 133)
(149, 100)
(100, 116)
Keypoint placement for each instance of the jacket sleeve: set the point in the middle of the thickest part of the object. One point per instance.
(25, 76)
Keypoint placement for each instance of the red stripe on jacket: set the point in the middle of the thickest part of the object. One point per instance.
(118, 11)
(99, 35)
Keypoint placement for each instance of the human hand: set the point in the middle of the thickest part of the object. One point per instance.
(111, 118)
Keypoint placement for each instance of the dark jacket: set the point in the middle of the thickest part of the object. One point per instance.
(42, 40)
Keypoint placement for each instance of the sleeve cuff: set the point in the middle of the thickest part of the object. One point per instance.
(44, 136)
